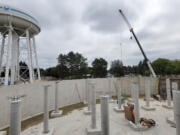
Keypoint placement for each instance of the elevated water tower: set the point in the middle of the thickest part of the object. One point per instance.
(16, 25)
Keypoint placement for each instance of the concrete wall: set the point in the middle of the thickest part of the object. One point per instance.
(70, 92)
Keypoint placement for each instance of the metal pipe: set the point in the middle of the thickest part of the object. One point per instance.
(2, 52)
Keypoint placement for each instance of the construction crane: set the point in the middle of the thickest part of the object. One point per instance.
(137, 41)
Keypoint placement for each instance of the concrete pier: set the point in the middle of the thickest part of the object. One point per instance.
(56, 112)
(119, 108)
(87, 110)
(168, 91)
(147, 107)
(93, 130)
(46, 112)
(171, 120)
(15, 116)
(109, 91)
(137, 126)
(176, 100)
(105, 115)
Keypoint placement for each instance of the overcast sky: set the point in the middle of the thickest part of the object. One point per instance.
(95, 28)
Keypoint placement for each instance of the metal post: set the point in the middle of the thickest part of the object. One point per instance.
(176, 100)
(2, 52)
(105, 115)
(36, 59)
(93, 105)
(8, 57)
(15, 117)
(29, 56)
(46, 112)
(136, 108)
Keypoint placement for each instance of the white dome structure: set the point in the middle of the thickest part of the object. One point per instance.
(16, 23)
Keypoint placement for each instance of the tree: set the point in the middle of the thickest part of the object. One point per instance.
(99, 68)
(162, 66)
(73, 65)
(117, 68)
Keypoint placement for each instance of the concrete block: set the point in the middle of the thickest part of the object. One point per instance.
(118, 109)
(148, 108)
(112, 101)
(55, 114)
(87, 112)
(3, 133)
(95, 131)
(167, 107)
(138, 127)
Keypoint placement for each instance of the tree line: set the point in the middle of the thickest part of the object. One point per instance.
(74, 66)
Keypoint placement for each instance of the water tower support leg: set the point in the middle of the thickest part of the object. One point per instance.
(36, 59)
(8, 57)
(29, 56)
(2, 52)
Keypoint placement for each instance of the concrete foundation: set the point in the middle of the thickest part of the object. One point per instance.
(148, 108)
(95, 131)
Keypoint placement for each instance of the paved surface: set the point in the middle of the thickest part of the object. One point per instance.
(76, 122)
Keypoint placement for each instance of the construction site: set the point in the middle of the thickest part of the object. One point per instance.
(30, 105)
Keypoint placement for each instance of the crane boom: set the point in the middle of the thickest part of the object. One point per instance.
(137, 41)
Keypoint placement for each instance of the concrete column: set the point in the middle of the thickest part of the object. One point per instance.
(93, 105)
(168, 91)
(2, 52)
(119, 108)
(176, 100)
(8, 56)
(110, 90)
(147, 92)
(29, 56)
(15, 117)
(148, 96)
(46, 112)
(86, 91)
(105, 115)
(88, 110)
(56, 112)
(136, 102)
(36, 58)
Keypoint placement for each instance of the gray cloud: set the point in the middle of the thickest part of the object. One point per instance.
(96, 29)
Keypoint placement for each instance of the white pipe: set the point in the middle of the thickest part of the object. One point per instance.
(36, 59)
(2, 52)
(29, 56)
(8, 57)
